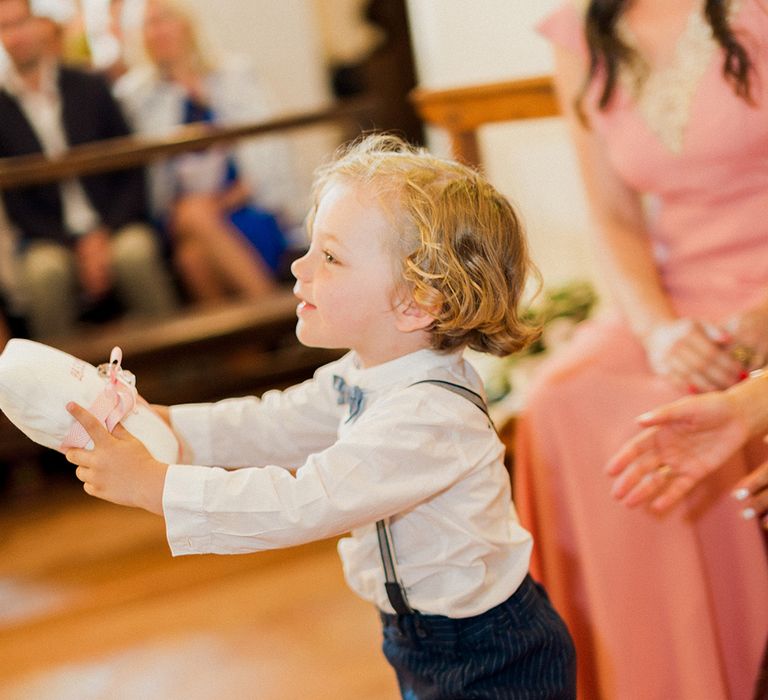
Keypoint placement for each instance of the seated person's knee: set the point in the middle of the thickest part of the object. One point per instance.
(134, 245)
(49, 265)
(195, 214)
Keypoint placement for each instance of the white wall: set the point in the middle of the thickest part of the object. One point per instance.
(282, 39)
(459, 43)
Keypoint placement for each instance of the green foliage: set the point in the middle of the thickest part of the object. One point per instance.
(573, 301)
(556, 311)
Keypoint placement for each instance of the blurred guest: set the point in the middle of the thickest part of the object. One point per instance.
(222, 208)
(108, 46)
(667, 103)
(81, 239)
(63, 23)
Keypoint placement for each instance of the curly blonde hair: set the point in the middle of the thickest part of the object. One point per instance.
(459, 247)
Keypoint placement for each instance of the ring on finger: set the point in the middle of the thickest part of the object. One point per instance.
(661, 473)
(743, 354)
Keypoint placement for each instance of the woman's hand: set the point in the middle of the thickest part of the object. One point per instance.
(693, 355)
(118, 468)
(750, 336)
(752, 490)
(683, 443)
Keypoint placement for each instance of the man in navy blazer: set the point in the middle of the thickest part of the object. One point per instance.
(81, 239)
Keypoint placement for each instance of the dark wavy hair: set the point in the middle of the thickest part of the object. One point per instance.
(607, 50)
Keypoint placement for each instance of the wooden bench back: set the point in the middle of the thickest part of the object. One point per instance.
(462, 111)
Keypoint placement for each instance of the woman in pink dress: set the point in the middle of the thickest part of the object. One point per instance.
(673, 143)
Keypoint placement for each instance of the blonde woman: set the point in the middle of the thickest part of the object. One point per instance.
(224, 209)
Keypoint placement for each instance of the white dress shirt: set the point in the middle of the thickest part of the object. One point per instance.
(42, 108)
(421, 455)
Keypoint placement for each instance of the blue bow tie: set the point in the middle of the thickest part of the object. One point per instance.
(353, 395)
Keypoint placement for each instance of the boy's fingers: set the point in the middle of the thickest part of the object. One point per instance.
(92, 425)
(82, 473)
(79, 456)
(119, 431)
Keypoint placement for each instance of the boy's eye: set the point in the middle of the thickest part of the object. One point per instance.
(329, 257)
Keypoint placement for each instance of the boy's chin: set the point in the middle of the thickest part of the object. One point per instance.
(311, 340)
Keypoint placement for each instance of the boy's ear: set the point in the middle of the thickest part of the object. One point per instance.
(412, 317)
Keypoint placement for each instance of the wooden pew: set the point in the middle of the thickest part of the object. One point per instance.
(131, 151)
(462, 111)
(199, 355)
(207, 354)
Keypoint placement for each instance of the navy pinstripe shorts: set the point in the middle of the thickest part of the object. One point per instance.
(519, 650)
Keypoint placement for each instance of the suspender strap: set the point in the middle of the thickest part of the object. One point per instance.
(461, 390)
(395, 590)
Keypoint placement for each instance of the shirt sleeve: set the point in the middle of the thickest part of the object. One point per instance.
(280, 428)
(565, 27)
(400, 452)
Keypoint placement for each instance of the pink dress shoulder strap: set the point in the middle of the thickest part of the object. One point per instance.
(565, 28)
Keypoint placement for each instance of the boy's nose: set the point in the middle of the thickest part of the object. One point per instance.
(299, 267)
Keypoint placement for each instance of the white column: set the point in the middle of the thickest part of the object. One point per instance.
(459, 43)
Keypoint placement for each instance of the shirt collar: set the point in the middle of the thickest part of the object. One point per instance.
(410, 367)
(49, 81)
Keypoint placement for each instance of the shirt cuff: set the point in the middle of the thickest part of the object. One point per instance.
(187, 528)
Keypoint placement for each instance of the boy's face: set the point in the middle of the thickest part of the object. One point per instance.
(346, 280)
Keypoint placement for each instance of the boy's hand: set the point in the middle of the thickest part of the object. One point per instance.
(118, 468)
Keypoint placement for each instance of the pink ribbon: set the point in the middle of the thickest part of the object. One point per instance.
(117, 400)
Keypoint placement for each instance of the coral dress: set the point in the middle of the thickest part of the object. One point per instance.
(671, 607)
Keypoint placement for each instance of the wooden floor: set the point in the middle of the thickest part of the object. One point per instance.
(92, 606)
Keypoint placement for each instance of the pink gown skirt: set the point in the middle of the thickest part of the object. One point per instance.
(671, 607)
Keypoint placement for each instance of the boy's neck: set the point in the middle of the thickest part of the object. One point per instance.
(404, 346)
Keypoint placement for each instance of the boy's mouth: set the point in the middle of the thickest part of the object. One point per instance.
(304, 306)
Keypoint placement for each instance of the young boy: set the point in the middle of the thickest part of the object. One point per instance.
(412, 259)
